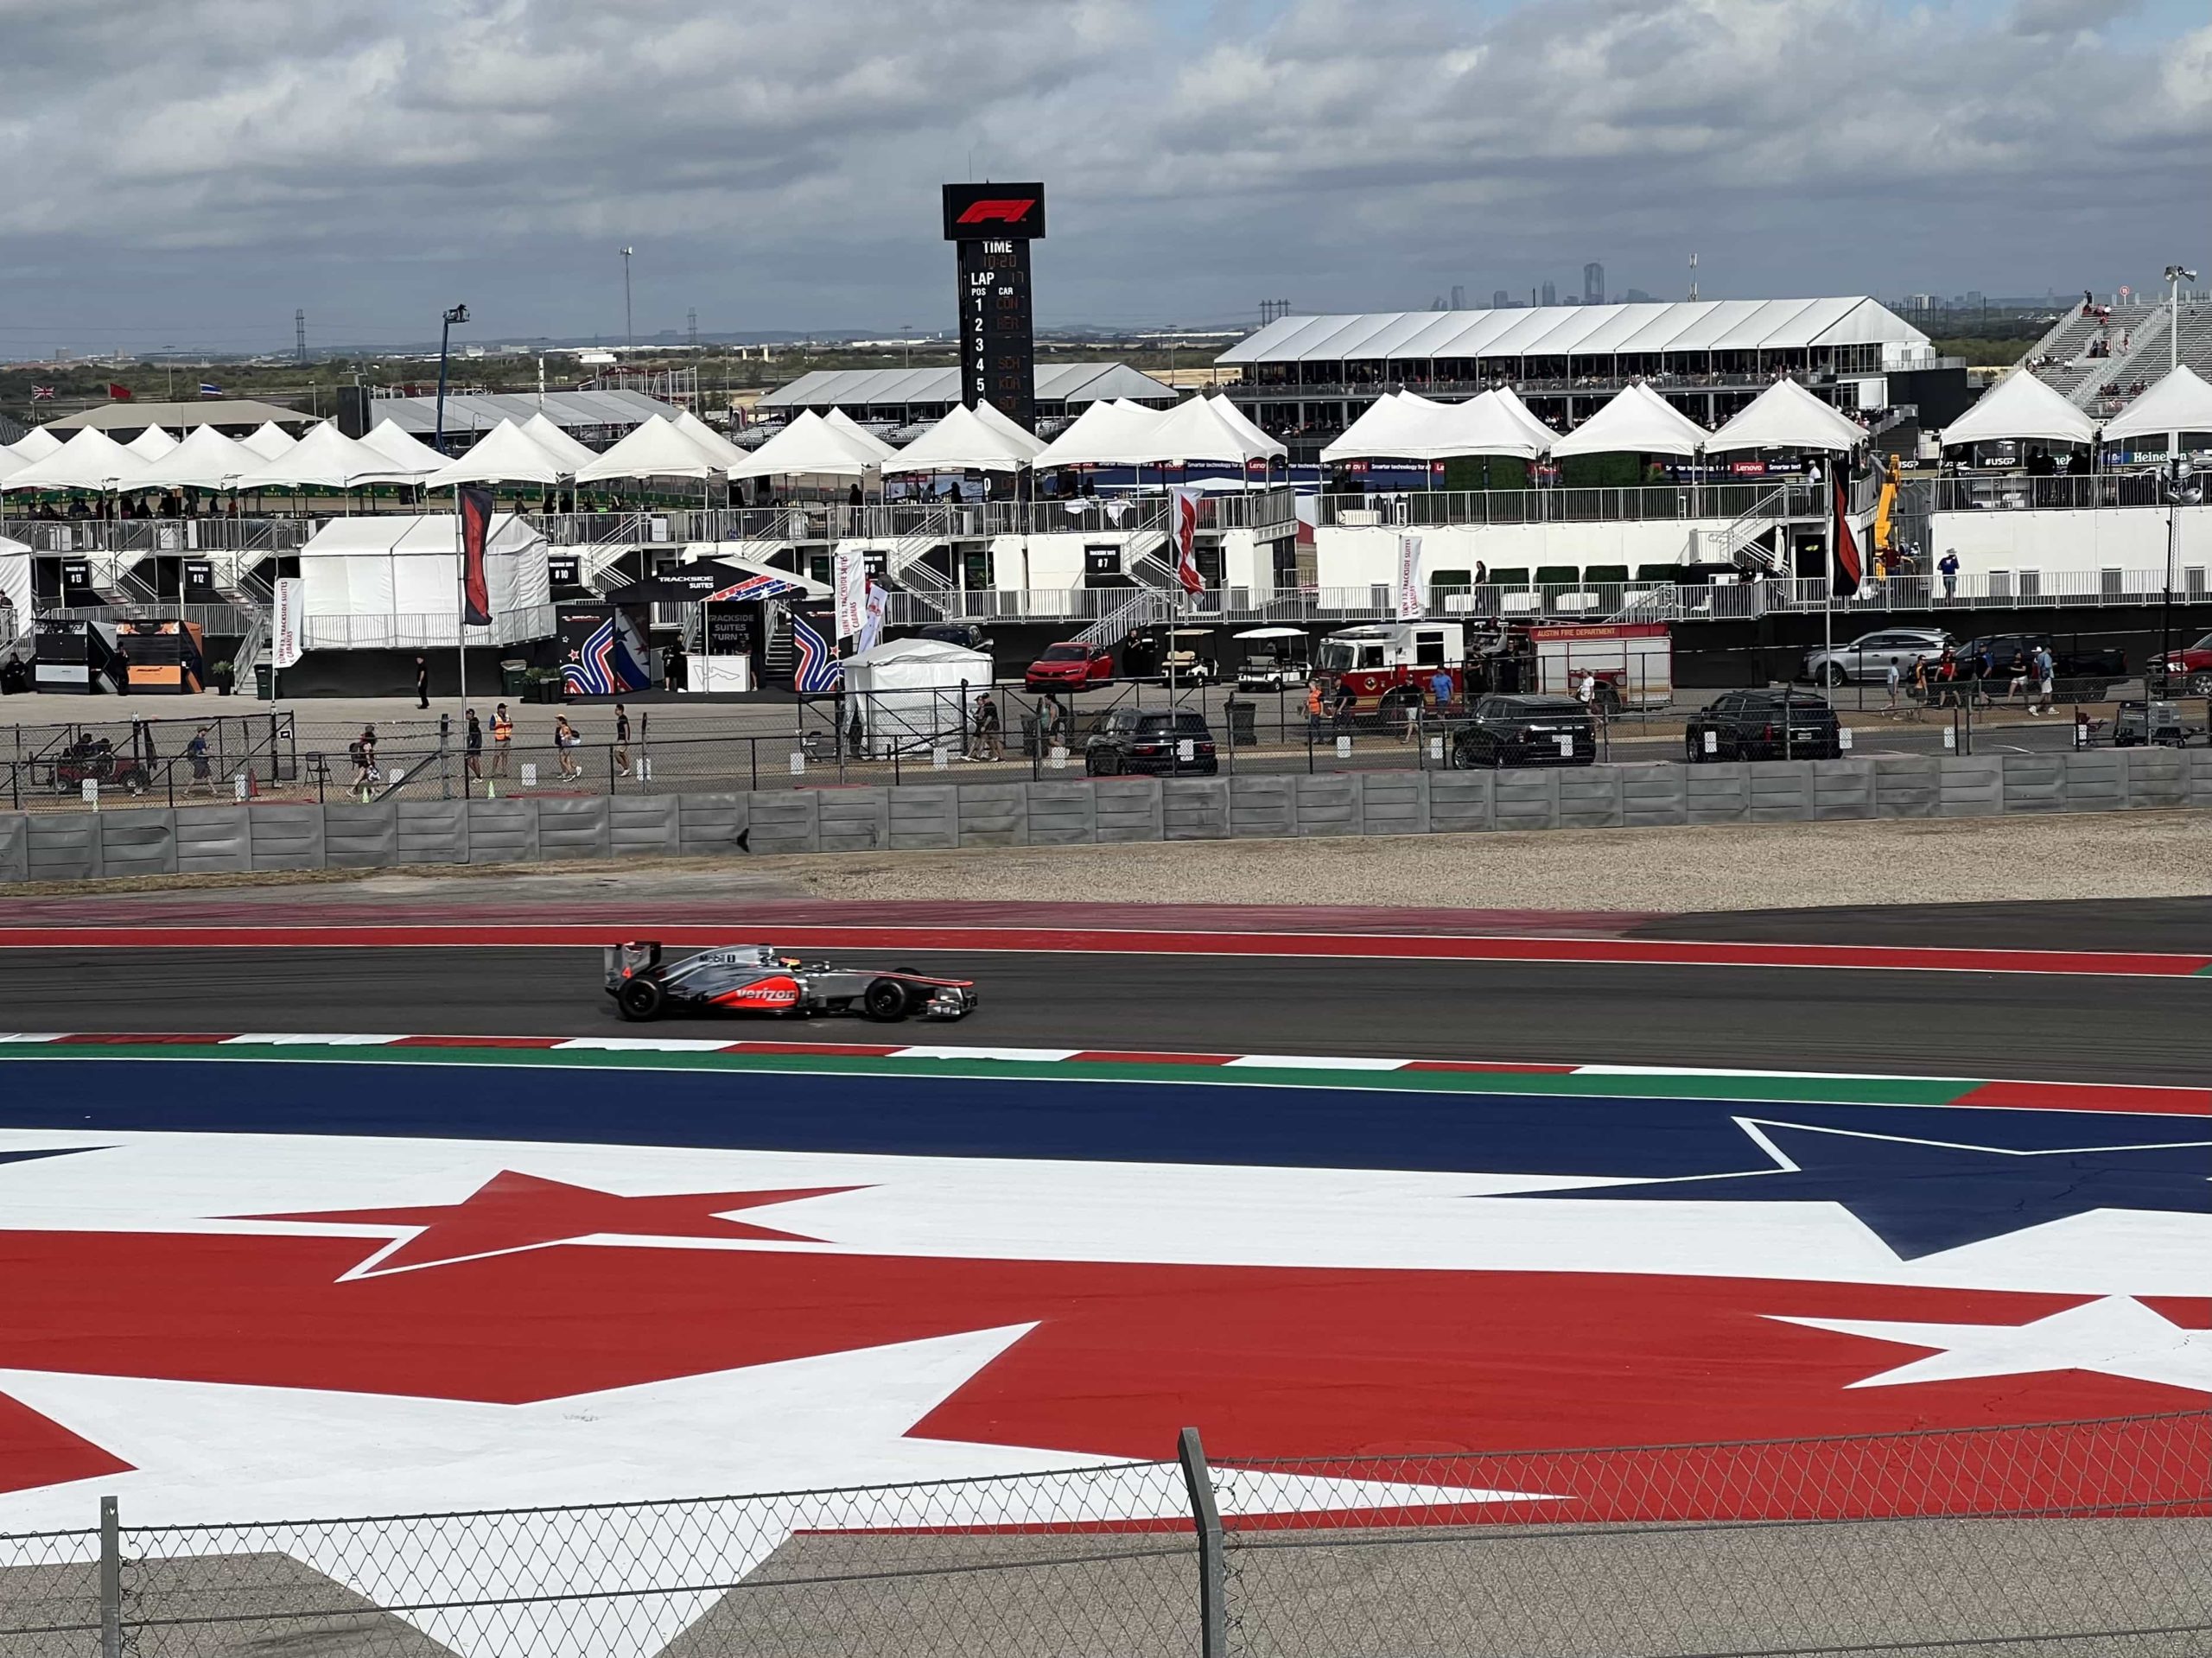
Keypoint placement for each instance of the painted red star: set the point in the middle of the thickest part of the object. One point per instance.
(511, 1212)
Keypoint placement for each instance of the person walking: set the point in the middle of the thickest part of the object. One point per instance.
(503, 734)
(195, 752)
(1891, 680)
(564, 744)
(422, 682)
(1920, 688)
(1440, 691)
(2046, 678)
(621, 741)
(472, 746)
(363, 753)
(988, 744)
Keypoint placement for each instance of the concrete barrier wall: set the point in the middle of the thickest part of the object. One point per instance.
(1085, 811)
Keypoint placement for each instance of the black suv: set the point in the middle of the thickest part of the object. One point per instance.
(1525, 731)
(1151, 740)
(1768, 725)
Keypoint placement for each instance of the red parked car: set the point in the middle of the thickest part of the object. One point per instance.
(2189, 668)
(1070, 667)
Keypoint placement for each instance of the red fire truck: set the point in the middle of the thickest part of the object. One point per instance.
(1388, 666)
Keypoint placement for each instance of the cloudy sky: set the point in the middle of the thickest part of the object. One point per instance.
(184, 173)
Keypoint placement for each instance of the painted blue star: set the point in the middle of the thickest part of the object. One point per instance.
(1922, 1196)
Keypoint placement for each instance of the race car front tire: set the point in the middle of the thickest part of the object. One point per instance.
(885, 999)
(640, 999)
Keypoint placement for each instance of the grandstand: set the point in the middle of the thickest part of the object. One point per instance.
(2101, 358)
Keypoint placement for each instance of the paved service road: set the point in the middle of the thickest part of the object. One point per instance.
(2111, 1030)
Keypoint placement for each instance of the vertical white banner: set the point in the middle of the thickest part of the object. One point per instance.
(851, 584)
(1409, 601)
(871, 633)
(285, 647)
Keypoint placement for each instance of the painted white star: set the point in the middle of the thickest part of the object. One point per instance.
(2115, 1335)
(211, 1452)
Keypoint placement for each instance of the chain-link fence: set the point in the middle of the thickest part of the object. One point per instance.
(2074, 1538)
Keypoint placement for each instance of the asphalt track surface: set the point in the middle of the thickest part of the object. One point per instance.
(2052, 1027)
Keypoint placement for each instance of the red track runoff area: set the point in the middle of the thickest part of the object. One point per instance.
(1053, 940)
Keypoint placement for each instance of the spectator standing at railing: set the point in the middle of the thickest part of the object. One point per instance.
(621, 741)
(503, 734)
(1314, 706)
(472, 746)
(1948, 568)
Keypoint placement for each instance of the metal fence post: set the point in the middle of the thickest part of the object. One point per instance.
(1213, 1570)
(112, 1578)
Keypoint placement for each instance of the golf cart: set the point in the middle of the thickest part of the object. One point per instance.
(1274, 659)
(1185, 662)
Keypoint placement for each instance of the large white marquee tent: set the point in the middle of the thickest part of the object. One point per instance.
(381, 582)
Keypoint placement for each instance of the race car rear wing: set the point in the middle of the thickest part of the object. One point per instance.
(627, 960)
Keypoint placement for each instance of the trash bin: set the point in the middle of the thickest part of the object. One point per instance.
(263, 673)
(1029, 736)
(510, 676)
(1242, 730)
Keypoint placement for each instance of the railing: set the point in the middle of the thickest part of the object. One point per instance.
(1435, 507)
(210, 619)
(2018, 492)
(416, 631)
(147, 536)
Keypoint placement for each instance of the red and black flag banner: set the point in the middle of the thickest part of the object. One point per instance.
(1846, 568)
(475, 533)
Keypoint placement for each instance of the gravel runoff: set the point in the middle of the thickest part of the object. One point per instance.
(1717, 866)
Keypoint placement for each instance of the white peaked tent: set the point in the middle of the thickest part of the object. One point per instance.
(654, 449)
(908, 693)
(963, 440)
(151, 444)
(1401, 425)
(2180, 402)
(1509, 400)
(557, 443)
(36, 444)
(1638, 421)
(809, 445)
(1243, 422)
(727, 453)
(405, 570)
(1196, 431)
(1489, 424)
(1407, 426)
(91, 459)
(506, 454)
(325, 459)
(1109, 434)
(868, 440)
(402, 449)
(206, 459)
(269, 440)
(15, 577)
(2020, 406)
(1787, 416)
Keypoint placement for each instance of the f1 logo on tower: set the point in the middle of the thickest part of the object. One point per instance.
(973, 211)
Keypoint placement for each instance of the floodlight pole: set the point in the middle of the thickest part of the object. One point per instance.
(629, 328)
(2176, 275)
(458, 313)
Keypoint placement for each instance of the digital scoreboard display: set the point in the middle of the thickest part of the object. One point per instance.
(992, 227)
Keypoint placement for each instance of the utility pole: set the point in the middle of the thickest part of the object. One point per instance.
(629, 328)
(459, 314)
(692, 323)
(300, 336)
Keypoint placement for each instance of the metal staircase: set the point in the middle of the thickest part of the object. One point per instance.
(1739, 542)
(1142, 608)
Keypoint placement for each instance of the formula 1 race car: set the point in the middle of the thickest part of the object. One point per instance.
(754, 979)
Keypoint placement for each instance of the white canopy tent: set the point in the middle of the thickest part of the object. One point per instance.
(9, 462)
(151, 444)
(1401, 425)
(91, 459)
(654, 449)
(1196, 432)
(15, 580)
(964, 441)
(506, 454)
(325, 459)
(807, 445)
(867, 440)
(1488, 425)
(402, 449)
(2180, 402)
(1787, 416)
(726, 453)
(1638, 421)
(909, 693)
(557, 443)
(2021, 407)
(1116, 434)
(1509, 400)
(384, 581)
(36, 444)
(206, 459)
(269, 440)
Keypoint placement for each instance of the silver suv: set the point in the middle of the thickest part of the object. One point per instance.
(1870, 656)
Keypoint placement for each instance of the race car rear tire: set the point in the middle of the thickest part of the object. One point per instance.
(885, 999)
(640, 999)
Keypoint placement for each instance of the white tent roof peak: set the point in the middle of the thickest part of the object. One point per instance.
(916, 651)
(2020, 406)
(727, 453)
(1106, 434)
(543, 431)
(653, 449)
(326, 459)
(1196, 430)
(91, 459)
(1637, 421)
(852, 428)
(1787, 416)
(506, 454)
(965, 440)
(269, 440)
(151, 443)
(2181, 401)
(809, 445)
(206, 459)
(36, 444)
(402, 449)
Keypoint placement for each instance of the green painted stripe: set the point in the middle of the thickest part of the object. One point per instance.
(1800, 1090)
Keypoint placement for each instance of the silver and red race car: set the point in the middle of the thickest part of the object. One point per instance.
(754, 979)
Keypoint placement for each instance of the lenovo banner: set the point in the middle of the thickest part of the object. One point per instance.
(475, 532)
(1409, 600)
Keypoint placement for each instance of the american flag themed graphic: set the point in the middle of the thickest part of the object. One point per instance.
(818, 672)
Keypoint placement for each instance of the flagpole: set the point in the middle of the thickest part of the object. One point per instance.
(460, 591)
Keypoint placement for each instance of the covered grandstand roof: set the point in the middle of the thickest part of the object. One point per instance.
(1060, 383)
(480, 411)
(1578, 330)
(182, 416)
